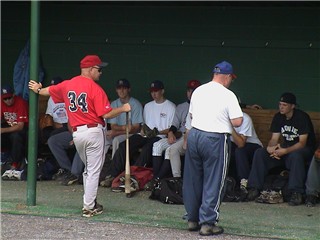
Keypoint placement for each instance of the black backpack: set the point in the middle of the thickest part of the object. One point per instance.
(46, 168)
(168, 190)
(230, 193)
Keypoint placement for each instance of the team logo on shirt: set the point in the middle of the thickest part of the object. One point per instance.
(289, 132)
(11, 118)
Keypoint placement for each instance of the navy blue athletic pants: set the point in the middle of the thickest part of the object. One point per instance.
(206, 164)
(295, 162)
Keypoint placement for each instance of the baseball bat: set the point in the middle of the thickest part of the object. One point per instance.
(127, 170)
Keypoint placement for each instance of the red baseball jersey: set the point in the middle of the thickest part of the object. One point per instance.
(85, 100)
(18, 112)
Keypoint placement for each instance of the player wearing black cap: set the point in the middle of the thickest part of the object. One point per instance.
(296, 149)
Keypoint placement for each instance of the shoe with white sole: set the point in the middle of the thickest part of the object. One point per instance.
(7, 174)
(16, 175)
(97, 210)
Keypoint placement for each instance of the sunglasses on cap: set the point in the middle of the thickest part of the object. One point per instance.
(99, 69)
(7, 98)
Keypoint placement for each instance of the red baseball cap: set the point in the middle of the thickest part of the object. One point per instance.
(91, 61)
(193, 84)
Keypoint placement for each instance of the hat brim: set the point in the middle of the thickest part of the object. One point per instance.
(103, 64)
(154, 89)
(288, 102)
(226, 73)
(122, 86)
(6, 95)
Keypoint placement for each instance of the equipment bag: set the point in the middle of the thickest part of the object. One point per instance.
(141, 174)
(230, 192)
(168, 190)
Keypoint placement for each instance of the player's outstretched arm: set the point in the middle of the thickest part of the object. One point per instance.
(37, 88)
(117, 111)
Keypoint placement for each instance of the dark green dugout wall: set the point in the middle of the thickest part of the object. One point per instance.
(274, 47)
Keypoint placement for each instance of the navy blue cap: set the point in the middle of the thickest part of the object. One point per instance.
(123, 83)
(6, 91)
(156, 86)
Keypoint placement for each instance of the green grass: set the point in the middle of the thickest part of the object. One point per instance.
(248, 219)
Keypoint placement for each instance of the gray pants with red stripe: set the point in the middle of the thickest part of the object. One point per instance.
(205, 169)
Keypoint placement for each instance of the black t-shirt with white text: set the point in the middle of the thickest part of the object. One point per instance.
(291, 129)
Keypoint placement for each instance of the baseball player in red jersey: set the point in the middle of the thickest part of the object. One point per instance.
(87, 105)
(14, 128)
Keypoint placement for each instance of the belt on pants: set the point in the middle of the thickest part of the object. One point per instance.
(87, 125)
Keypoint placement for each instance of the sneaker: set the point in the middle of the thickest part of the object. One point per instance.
(311, 200)
(98, 206)
(193, 226)
(185, 216)
(107, 182)
(16, 175)
(243, 189)
(275, 197)
(208, 230)
(69, 179)
(243, 183)
(295, 199)
(7, 174)
(271, 197)
(263, 198)
(253, 193)
(60, 175)
(98, 209)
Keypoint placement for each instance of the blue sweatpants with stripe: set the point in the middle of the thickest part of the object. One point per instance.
(205, 169)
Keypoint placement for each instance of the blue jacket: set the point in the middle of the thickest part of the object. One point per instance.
(21, 73)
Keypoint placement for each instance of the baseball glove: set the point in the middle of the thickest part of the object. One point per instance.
(150, 133)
